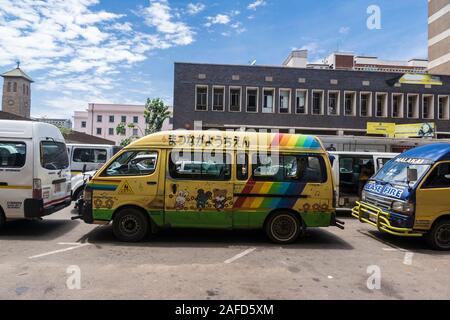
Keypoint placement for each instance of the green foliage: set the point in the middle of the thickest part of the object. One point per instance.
(155, 113)
(65, 131)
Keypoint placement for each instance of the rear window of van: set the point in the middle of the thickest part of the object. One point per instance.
(12, 154)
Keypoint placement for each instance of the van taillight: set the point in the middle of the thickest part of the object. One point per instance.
(37, 189)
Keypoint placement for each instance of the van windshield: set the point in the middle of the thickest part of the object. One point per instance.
(54, 155)
(396, 172)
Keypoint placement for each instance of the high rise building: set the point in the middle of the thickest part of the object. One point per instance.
(439, 36)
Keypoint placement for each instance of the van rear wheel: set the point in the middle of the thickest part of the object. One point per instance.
(439, 235)
(130, 225)
(283, 227)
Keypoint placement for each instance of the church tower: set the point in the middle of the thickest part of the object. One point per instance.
(17, 92)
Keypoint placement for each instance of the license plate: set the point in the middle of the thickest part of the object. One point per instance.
(372, 218)
(58, 187)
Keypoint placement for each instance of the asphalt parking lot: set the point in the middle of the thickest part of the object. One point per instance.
(62, 259)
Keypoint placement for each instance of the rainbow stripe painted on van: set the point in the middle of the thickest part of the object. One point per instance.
(104, 185)
(269, 195)
(297, 141)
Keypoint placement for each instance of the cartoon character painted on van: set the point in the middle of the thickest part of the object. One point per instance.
(298, 194)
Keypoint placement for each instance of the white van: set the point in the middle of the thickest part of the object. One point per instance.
(351, 170)
(94, 156)
(34, 170)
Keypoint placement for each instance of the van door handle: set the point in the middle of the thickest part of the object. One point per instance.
(3, 184)
(174, 188)
(151, 183)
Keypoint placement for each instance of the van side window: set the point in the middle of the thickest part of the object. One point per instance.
(200, 166)
(439, 178)
(242, 166)
(89, 155)
(54, 155)
(12, 154)
(132, 163)
(288, 168)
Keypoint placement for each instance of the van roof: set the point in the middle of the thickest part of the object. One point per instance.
(28, 130)
(434, 152)
(214, 139)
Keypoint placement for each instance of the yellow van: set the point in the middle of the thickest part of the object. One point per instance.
(410, 196)
(214, 179)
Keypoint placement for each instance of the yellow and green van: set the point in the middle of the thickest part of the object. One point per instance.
(214, 179)
(410, 196)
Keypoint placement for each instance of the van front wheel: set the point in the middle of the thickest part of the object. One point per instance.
(283, 227)
(439, 235)
(130, 225)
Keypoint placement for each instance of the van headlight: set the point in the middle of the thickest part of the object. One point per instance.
(87, 196)
(406, 208)
(363, 195)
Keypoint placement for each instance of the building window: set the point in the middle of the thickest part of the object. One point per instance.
(218, 98)
(23, 89)
(428, 106)
(201, 98)
(111, 131)
(365, 104)
(83, 124)
(333, 103)
(15, 87)
(397, 105)
(350, 104)
(235, 99)
(28, 90)
(99, 131)
(111, 119)
(135, 132)
(301, 101)
(317, 105)
(285, 101)
(413, 106)
(381, 105)
(99, 118)
(444, 108)
(135, 119)
(252, 100)
(268, 100)
(9, 86)
(123, 119)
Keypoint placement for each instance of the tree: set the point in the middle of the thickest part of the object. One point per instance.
(155, 113)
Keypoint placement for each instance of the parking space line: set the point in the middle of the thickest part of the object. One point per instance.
(240, 255)
(80, 245)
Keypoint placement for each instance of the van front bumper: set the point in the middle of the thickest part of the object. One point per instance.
(34, 208)
(380, 219)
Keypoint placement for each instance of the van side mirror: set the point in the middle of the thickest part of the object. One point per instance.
(411, 174)
(84, 168)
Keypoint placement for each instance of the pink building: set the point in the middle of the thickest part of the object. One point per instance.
(101, 120)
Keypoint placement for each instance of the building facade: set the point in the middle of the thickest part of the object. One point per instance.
(16, 97)
(60, 123)
(439, 36)
(305, 100)
(101, 120)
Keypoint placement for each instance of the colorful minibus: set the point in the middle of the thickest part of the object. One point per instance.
(281, 183)
(410, 196)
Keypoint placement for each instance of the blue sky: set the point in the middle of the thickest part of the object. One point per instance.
(114, 51)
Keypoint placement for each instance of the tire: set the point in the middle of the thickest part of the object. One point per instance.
(438, 237)
(283, 227)
(130, 225)
(2, 219)
(77, 195)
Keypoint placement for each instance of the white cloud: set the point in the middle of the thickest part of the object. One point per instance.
(80, 47)
(256, 4)
(218, 19)
(159, 15)
(344, 30)
(195, 8)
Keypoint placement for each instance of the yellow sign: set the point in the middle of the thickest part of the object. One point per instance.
(415, 130)
(392, 130)
(126, 189)
(410, 78)
(383, 128)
